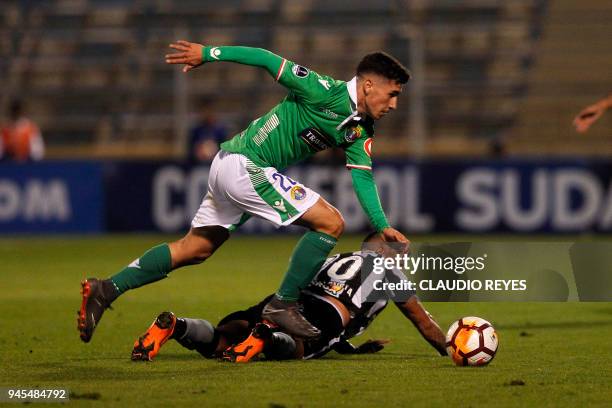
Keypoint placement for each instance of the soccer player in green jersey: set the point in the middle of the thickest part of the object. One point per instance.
(319, 112)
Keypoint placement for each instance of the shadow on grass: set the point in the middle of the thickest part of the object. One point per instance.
(381, 356)
(583, 324)
(117, 369)
(604, 310)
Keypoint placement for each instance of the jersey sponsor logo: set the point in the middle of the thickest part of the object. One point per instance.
(353, 133)
(298, 193)
(315, 139)
(336, 287)
(331, 288)
(367, 147)
(300, 71)
(215, 52)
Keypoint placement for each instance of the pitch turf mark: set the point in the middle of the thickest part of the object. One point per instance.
(86, 396)
(583, 324)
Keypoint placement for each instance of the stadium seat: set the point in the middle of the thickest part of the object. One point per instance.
(474, 51)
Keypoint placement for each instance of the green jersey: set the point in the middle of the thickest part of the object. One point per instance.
(318, 113)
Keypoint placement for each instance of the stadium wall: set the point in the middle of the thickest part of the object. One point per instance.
(508, 196)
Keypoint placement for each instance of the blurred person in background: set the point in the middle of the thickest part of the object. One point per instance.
(591, 114)
(206, 135)
(21, 139)
(498, 146)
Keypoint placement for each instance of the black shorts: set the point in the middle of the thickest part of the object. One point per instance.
(236, 333)
(326, 318)
(317, 311)
(251, 315)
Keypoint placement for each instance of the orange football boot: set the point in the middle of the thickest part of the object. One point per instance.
(251, 347)
(147, 346)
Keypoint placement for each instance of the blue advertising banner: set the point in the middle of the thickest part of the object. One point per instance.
(160, 196)
(506, 196)
(568, 196)
(51, 197)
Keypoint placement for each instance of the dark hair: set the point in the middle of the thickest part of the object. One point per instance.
(384, 65)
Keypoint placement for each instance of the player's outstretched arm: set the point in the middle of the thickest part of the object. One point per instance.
(193, 55)
(413, 309)
(304, 83)
(590, 114)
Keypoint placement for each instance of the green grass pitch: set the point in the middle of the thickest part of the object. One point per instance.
(560, 352)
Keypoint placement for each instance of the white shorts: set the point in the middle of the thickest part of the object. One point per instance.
(238, 189)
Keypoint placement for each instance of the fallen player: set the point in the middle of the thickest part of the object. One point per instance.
(335, 302)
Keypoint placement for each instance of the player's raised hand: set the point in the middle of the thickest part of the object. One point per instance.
(591, 113)
(587, 117)
(189, 54)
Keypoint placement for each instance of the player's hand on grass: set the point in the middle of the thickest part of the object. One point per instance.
(372, 346)
(189, 54)
(589, 115)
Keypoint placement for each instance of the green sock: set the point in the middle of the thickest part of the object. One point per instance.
(154, 265)
(308, 256)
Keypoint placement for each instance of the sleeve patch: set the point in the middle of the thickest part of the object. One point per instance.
(215, 52)
(367, 147)
(300, 71)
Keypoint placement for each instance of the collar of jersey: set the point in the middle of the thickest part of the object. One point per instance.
(351, 87)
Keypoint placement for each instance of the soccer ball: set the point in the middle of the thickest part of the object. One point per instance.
(471, 341)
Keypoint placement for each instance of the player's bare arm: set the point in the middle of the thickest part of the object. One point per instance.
(413, 309)
(590, 114)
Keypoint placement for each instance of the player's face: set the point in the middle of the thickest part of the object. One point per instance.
(380, 96)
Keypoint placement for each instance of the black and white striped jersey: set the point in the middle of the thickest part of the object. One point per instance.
(350, 278)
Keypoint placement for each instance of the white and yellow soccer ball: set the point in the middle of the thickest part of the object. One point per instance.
(471, 341)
